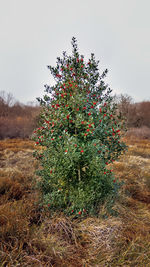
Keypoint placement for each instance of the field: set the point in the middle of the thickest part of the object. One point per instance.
(29, 236)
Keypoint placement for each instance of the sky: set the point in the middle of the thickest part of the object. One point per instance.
(33, 33)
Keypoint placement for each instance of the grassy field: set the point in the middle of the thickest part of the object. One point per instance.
(29, 236)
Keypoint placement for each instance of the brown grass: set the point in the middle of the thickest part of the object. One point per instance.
(29, 236)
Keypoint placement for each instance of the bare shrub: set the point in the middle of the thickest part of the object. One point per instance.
(143, 109)
(135, 114)
(16, 119)
(16, 127)
(142, 132)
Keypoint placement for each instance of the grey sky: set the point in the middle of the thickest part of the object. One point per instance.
(34, 32)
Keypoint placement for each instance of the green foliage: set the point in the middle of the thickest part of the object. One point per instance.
(80, 132)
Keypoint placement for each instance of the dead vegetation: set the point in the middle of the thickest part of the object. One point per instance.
(16, 119)
(142, 132)
(30, 236)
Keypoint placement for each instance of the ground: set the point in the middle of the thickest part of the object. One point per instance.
(29, 236)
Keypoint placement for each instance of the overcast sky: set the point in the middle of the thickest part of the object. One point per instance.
(34, 32)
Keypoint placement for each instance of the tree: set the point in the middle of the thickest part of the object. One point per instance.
(125, 108)
(6, 101)
(80, 133)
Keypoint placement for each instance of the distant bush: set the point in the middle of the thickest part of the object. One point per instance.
(16, 119)
(141, 132)
(135, 114)
(143, 111)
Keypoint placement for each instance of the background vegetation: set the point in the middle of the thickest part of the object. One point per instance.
(16, 119)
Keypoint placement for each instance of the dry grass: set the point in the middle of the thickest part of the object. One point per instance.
(14, 144)
(29, 236)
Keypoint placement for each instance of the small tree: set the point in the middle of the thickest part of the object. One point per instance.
(80, 133)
